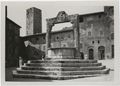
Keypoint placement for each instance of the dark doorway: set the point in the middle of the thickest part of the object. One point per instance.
(91, 54)
(112, 51)
(101, 52)
(82, 55)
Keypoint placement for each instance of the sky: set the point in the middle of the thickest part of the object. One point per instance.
(17, 12)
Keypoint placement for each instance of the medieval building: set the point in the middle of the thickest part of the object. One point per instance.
(96, 34)
(12, 39)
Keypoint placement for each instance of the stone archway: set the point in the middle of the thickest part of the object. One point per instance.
(62, 17)
(101, 52)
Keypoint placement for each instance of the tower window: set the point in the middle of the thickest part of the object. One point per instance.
(92, 42)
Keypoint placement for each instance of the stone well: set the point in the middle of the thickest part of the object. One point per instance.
(61, 53)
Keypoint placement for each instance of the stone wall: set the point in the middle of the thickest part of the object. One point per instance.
(12, 43)
(96, 31)
(63, 39)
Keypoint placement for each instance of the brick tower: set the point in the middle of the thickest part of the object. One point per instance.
(33, 21)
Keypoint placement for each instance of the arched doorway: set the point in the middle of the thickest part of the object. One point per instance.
(91, 54)
(101, 52)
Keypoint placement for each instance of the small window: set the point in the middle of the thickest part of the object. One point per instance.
(37, 39)
(101, 32)
(92, 42)
(98, 41)
(43, 47)
(81, 45)
(64, 45)
(112, 36)
(69, 36)
(89, 33)
(92, 26)
(62, 38)
(57, 38)
(44, 37)
(81, 19)
(99, 16)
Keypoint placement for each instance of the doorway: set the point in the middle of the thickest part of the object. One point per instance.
(101, 52)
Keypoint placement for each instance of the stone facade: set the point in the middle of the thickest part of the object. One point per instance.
(96, 36)
(97, 31)
(12, 43)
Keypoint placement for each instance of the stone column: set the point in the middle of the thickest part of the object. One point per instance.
(75, 23)
(48, 36)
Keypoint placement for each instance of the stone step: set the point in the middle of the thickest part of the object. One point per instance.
(63, 68)
(63, 64)
(67, 59)
(63, 58)
(52, 77)
(59, 73)
(63, 61)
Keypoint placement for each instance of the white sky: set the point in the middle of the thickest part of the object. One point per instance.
(17, 12)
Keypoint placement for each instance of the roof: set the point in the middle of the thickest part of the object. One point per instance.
(34, 8)
(13, 22)
(96, 13)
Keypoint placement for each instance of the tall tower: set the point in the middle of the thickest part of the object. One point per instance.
(33, 21)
